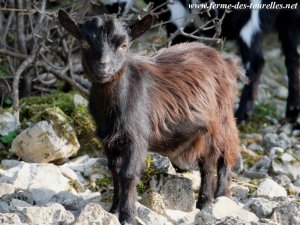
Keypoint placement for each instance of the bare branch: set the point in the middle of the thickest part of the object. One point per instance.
(25, 65)
(46, 78)
(13, 54)
(41, 11)
(200, 38)
(61, 74)
(19, 10)
(31, 24)
(42, 88)
(8, 24)
(20, 28)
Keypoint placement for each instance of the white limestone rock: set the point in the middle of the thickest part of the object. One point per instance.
(94, 214)
(51, 139)
(41, 180)
(224, 207)
(269, 188)
(8, 123)
(52, 213)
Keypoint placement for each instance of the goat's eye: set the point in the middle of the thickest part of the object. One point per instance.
(123, 46)
(85, 44)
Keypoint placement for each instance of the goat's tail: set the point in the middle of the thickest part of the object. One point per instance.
(235, 66)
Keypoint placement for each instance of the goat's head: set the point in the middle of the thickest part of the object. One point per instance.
(104, 42)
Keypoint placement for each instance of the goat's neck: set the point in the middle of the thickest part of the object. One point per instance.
(110, 89)
(106, 98)
(106, 105)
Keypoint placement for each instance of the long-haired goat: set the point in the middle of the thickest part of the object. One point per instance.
(177, 101)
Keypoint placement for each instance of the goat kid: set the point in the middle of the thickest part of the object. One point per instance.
(247, 27)
(177, 102)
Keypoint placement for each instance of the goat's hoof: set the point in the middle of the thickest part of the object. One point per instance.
(128, 222)
(201, 204)
(244, 112)
(292, 113)
(127, 219)
(222, 193)
(113, 209)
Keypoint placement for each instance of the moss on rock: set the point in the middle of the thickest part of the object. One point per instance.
(48, 107)
(85, 129)
(31, 106)
(148, 172)
(61, 123)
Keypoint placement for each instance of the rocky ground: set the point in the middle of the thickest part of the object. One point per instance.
(47, 177)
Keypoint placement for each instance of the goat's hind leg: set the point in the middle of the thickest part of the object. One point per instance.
(224, 177)
(253, 59)
(208, 182)
(287, 29)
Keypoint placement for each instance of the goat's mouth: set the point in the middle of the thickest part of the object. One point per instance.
(104, 78)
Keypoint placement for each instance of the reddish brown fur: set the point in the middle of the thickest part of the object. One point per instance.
(193, 82)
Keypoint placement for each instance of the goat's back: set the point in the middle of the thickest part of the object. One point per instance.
(192, 89)
(190, 81)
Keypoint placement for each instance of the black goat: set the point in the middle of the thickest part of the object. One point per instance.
(117, 6)
(247, 27)
(178, 102)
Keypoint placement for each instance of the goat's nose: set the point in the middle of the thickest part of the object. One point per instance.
(104, 60)
(101, 65)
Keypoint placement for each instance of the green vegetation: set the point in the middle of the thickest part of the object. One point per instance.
(31, 106)
(297, 157)
(252, 187)
(250, 159)
(85, 129)
(49, 107)
(147, 174)
(76, 185)
(291, 191)
(266, 109)
(3, 73)
(60, 121)
(260, 118)
(104, 182)
(98, 184)
(8, 139)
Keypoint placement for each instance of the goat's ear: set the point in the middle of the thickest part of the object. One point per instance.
(141, 26)
(68, 23)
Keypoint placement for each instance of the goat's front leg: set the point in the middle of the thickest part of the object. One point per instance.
(114, 161)
(133, 157)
